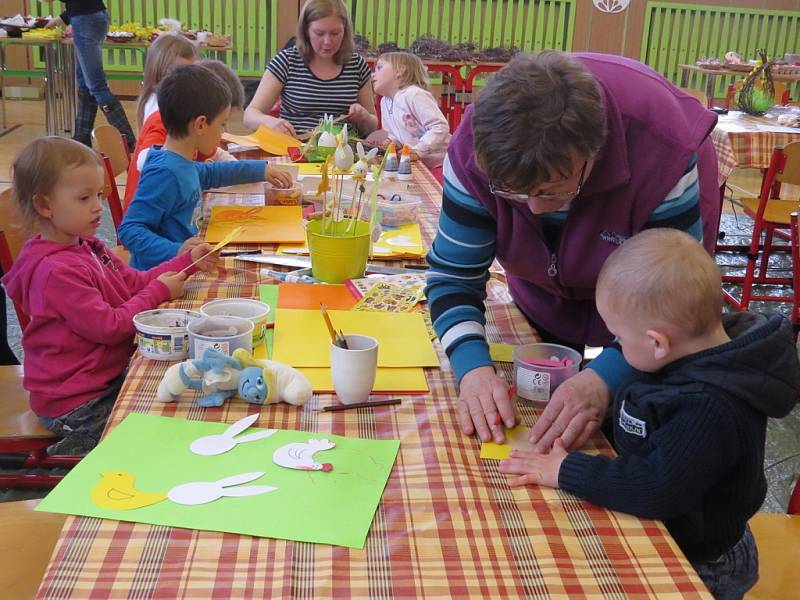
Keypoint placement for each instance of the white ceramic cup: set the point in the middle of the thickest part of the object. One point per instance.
(353, 369)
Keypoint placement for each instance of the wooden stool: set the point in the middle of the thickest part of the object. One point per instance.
(778, 540)
(26, 545)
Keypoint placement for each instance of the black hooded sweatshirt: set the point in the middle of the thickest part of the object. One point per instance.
(690, 437)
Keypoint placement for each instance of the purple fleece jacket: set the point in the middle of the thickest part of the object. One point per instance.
(653, 130)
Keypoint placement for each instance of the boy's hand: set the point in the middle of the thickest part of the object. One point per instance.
(277, 177)
(189, 244)
(532, 467)
(174, 281)
(208, 263)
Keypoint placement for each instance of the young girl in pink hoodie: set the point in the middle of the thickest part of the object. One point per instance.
(80, 297)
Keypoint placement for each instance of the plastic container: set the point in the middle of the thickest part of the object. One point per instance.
(291, 196)
(399, 212)
(335, 258)
(225, 334)
(247, 308)
(540, 368)
(162, 333)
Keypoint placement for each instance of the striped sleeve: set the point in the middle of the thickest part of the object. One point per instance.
(459, 259)
(279, 66)
(364, 73)
(680, 209)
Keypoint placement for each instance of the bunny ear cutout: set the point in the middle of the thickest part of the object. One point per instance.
(258, 435)
(241, 425)
(249, 490)
(239, 479)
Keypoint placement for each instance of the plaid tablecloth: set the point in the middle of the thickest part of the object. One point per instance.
(743, 141)
(447, 526)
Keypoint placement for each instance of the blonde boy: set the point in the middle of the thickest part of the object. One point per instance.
(689, 426)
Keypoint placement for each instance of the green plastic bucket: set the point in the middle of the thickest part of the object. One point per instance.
(338, 254)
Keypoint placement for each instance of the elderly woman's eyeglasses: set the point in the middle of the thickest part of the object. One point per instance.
(555, 196)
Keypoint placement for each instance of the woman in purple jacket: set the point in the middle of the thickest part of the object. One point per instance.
(561, 158)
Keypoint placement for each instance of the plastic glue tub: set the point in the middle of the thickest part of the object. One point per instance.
(162, 333)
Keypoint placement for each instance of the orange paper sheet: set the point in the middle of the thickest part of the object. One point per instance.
(262, 224)
(387, 381)
(302, 340)
(269, 140)
(302, 295)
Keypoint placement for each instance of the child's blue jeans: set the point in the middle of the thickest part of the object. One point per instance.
(81, 427)
(88, 33)
(732, 574)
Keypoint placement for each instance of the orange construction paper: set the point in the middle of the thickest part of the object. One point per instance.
(303, 295)
(269, 140)
(262, 224)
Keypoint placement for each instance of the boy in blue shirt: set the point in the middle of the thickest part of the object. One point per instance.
(195, 104)
(690, 423)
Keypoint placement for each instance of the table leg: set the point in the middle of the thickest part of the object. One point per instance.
(3, 84)
(684, 78)
(710, 86)
(48, 90)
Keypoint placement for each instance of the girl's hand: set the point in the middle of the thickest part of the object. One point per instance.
(282, 126)
(277, 177)
(533, 467)
(208, 263)
(189, 244)
(54, 22)
(174, 282)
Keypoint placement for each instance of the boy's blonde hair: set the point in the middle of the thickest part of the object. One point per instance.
(161, 56)
(230, 78)
(38, 166)
(314, 10)
(409, 69)
(664, 275)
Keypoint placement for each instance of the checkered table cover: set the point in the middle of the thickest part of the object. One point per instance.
(447, 525)
(746, 149)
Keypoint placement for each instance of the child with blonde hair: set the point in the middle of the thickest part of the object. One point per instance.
(167, 51)
(80, 297)
(409, 112)
(690, 424)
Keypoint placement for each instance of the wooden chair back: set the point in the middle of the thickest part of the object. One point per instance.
(16, 418)
(109, 141)
(28, 540)
(12, 224)
(701, 96)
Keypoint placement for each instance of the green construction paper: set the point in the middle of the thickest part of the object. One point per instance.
(268, 294)
(334, 507)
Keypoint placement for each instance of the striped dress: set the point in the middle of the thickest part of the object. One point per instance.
(305, 97)
(464, 248)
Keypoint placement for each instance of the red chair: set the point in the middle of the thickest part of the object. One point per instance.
(770, 215)
(110, 144)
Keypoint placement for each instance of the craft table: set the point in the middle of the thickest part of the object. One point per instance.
(712, 74)
(448, 525)
(744, 141)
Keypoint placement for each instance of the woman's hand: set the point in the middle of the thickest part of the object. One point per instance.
(277, 177)
(575, 411)
(54, 22)
(482, 395)
(281, 125)
(209, 262)
(365, 121)
(533, 467)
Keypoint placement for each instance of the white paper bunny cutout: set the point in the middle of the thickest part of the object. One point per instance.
(301, 455)
(211, 445)
(362, 166)
(326, 138)
(203, 492)
(343, 157)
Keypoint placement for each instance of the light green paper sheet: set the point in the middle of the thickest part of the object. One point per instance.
(269, 295)
(334, 507)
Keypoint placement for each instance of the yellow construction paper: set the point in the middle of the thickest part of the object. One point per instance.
(502, 352)
(516, 439)
(262, 224)
(406, 380)
(269, 140)
(302, 340)
(309, 168)
(404, 241)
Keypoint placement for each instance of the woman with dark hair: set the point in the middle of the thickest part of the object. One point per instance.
(561, 159)
(89, 20)
(319, 74)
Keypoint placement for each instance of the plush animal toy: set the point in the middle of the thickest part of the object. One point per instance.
(219, 376)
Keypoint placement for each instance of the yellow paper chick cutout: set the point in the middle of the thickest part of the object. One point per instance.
(115, 491)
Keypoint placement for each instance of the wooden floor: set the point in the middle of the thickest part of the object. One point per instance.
(782, 463)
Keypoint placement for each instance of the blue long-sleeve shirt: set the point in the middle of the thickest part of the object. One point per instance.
(159, 218)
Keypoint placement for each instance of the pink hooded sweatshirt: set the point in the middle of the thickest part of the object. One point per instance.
(81, 300)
